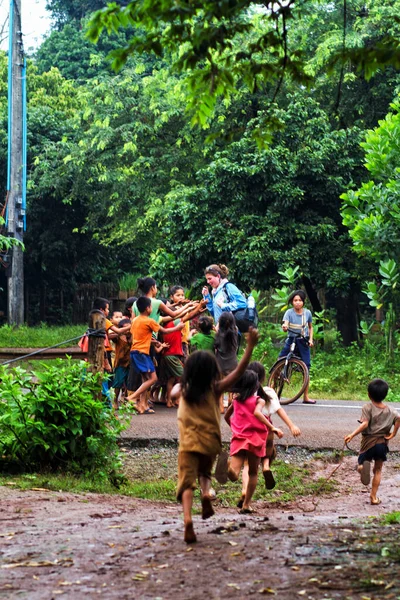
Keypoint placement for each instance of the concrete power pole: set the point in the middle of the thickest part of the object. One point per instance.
(14, 224)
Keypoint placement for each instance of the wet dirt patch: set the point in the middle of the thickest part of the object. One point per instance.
(59, 544)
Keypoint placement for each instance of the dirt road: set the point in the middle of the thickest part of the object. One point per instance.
(91, 546)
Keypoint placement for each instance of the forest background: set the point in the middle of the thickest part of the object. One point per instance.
(148, 170)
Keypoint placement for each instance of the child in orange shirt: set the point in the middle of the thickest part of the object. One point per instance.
(142, 330)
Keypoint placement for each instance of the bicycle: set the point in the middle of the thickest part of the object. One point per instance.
(290, 375)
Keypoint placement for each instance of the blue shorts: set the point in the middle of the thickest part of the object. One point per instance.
(377, 452)
(302, 350)
(141, 362)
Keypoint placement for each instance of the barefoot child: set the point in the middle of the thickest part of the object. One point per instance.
(200, 427)
(249, 433)
(376, 422)
(272, 406)
(142, 329)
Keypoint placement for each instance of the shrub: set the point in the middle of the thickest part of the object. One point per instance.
(54, 418)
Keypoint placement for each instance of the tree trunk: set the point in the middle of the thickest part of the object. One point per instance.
(97, 321)
(312, 295)
(347, 317)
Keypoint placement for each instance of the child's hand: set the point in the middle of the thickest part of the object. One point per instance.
(348, 438)
(252, 337)
(390, 436)
(278, 432)
(295, 431)
(284, 327)
(180, 326)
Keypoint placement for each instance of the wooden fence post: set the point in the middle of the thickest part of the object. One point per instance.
(95, 354)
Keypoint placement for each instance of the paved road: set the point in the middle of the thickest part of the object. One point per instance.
(323, 425)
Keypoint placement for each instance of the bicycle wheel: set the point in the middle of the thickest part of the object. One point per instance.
(292, 386)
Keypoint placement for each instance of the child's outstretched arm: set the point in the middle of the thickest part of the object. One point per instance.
(395, 430)
(259, 415)
(172, 329)
(228, 414)
(224, 384)
(294, 430)
(360, 429)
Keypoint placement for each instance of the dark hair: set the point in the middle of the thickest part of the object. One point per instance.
(128, 306)
(142, 303)
(205, 324)
(300, 293)
(199, 374)
(145, 284)
(259, 369)
(378, 389)
(100, 303)
(221, 270)
(124, 322)
(227, 334)
(246, 386)
(174, 289)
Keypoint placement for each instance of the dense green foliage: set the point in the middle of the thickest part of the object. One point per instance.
(55, 420)
(121, 181)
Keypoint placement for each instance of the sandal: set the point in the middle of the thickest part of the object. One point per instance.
(376, 502)
(365, 472)
(269, 479)
(148, 411)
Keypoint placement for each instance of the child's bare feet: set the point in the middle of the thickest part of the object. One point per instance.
(189, 536)
(207, 510)
(241, 500)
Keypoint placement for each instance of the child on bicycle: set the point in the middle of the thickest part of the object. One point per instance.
(376, 422)
(297, 322)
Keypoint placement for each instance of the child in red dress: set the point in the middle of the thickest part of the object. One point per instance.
(249, 433)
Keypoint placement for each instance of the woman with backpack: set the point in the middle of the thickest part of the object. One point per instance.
(225, 296)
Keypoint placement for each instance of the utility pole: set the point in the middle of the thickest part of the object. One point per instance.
(15, 208)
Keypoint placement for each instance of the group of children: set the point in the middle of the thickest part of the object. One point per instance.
(204, 370)
(147, 344)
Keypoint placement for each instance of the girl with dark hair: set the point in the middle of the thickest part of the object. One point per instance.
(226, 343)
(200, 428)
(249, 433)
(272, 406)
(297, 322)
(148, 287)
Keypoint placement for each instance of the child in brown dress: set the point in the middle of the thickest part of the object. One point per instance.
(199, 423)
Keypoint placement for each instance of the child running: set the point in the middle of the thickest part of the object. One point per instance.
(142, 330)
(200, 427)
(377, 419)
(272, 406)
(249, 433)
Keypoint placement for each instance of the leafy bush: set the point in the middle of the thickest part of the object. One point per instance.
(53, 418)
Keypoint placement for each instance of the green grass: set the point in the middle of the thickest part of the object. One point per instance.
(292, 482)
(392, 518)
(38, 337)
